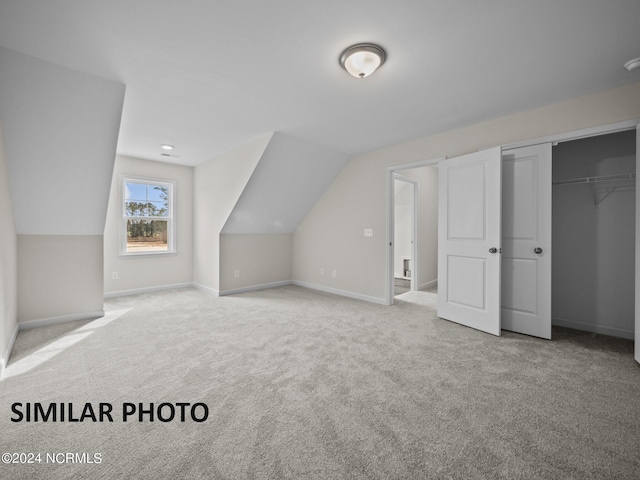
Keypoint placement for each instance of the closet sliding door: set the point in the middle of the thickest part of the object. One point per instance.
(526, 240)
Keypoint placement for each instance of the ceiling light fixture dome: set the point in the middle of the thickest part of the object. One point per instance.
(363, 59)
(632, 64)
(167, 147)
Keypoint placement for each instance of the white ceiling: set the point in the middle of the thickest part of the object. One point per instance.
(208, 76)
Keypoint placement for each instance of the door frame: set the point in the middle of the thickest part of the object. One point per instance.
(636, 344)
(576, 134)
(414, 229)
(391, 218)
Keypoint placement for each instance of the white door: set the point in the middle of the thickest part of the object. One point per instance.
(469, 236)
(526, 240)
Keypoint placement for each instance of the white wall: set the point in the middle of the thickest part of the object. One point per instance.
(149, 271)
(262, 260)
(331, 235)
(8, 265)
(288, 169)
(61, 131)
(427, 251)
(218, 185)
(594, 246)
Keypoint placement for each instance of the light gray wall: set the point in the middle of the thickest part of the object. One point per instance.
(59, 277)
(218, 185)
(149, 271)
(8, 265)
(593, 284)
(427, 251)
(331, 234)
(261, 259)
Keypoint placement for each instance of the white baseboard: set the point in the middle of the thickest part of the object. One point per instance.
(45, 322)
(252, 288)
(428, 284)
(588, 327)
(4, 358)
(213, 292)
(342, 293)
(136, 291)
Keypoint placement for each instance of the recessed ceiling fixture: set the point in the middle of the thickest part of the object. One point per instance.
(167, 147)
(363, 59)
(632, 64)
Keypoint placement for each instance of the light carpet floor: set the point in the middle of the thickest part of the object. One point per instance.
(302, 384)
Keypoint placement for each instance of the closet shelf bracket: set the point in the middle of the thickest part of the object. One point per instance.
(607, 191)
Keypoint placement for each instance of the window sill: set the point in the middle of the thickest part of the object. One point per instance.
(148, 254)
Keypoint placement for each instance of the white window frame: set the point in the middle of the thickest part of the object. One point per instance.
(170, 218)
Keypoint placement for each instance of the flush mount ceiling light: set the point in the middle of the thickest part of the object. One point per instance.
(363, 59)
(167, 147)
(632, 64)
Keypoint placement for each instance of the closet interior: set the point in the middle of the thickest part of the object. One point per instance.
(593, 234)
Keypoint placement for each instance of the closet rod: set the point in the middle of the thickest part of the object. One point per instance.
(603, 178)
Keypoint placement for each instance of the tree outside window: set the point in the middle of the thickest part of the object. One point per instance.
(148, 216)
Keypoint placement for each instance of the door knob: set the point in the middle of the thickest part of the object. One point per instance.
(537, 250)
(493, 250)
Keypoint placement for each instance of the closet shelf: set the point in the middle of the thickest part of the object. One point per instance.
(616, 183)
(603, 178)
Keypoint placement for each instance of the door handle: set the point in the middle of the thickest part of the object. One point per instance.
(493, 250)
(537, 250)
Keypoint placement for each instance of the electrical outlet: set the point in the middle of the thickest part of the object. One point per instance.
(237, 274)
(368, 232)
(335, 274)
(114, 276)
(322, 271)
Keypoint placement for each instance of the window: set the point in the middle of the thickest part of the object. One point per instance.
(148, 217)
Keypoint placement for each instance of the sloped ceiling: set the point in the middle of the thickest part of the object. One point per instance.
(60, 132)
(290, 177)
(209, 76)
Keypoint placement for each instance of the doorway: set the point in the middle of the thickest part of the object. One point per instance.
(405, 194)
(413, 233)
(594, 211)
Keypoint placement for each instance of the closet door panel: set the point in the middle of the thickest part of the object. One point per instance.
(526, 240)
(520, 190)
(524, 274)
